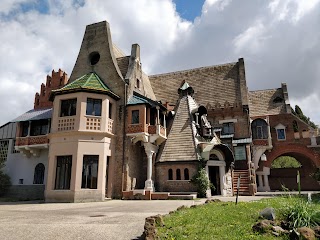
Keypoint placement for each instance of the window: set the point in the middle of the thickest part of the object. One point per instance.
(4, 145)
(170, 174)
(39, 127)
(138, 83)
(110, 110)
(259, 129)
(186, 174)
(278, 100)
(178, 172)
(228, 128)
(240, 153)
(281, 134)
(90, 171)
(93, 107)
(38, 174)
(213, 157)
(68, 107)
(25, 129)
(21, 181)
(135, 117)
(63, 172)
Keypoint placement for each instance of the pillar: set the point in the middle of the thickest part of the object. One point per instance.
(150, 149)
(266, 183)
(222, 172)
(260, 183)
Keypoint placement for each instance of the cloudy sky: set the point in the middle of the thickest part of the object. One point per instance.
(278, 39)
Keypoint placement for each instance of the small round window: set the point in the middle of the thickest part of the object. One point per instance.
(94, 58)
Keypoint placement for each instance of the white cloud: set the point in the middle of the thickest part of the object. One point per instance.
(280, 42)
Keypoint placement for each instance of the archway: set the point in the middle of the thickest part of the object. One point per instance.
(285, 174)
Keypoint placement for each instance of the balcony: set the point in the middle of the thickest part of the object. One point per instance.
(147, 133)
(31, 145)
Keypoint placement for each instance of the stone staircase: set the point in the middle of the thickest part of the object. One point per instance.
(244, 182)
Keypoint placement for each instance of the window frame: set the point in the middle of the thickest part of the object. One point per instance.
(87, 172)
(229, 126)
(135, 118)
(96, 107)
(68, 107)
(237, 155)
(65, 171)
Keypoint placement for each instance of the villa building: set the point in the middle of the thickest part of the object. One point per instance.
(110, 130)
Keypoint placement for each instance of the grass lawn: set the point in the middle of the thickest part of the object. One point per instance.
(222, 220)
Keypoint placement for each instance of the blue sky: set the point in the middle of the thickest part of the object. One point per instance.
(278, 39)
(189, 9)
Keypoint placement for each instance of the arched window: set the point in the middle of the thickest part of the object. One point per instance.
(38, 174)
(259, 129)
(170, 174)
(178, 174)
(213, 157)
(186, 174)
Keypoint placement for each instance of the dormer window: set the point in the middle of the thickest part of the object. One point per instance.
(278, 100)
(281, 132)
(94, 107)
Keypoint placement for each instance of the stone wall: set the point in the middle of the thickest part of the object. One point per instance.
(26, 192)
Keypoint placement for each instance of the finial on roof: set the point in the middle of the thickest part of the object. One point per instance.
(185, 89)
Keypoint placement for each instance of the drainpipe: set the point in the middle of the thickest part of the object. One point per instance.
(124, 135)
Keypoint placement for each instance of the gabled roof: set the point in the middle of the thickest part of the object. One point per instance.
(89, 82)
(261, 102)
(34, 114)
(181, 143)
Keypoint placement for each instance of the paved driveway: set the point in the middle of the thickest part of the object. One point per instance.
(113, 219)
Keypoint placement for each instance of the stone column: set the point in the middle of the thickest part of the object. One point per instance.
(222, 172)
(29, 129)
(266, 183)
(150, 149)
(260, 183)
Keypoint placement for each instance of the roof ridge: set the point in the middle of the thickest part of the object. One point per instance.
(193, 69)
(88, 79)
(264, 90)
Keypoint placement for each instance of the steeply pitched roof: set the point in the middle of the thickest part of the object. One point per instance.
(180, 144)
(34, 114)
(266, 102)
(88, 82)
(123, 63)
(118, 53)
(211, 84)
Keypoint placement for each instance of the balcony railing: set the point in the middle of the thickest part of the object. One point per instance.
(32, 140)
(136, 128)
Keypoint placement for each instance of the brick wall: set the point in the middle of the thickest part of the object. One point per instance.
(165, 185)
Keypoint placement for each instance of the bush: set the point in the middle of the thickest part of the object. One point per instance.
(201, 180)
(5, 183)
(301, 214)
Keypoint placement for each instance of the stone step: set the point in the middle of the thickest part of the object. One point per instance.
(182, 197)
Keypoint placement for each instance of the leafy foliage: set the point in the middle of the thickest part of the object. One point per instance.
(285, 162)
(201, 180)
(301, 214)
(5, 183)
(298, 112)
(316, 174)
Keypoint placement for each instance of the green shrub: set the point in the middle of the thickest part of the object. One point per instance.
(5, 183)
(201, 180)
(300, 213)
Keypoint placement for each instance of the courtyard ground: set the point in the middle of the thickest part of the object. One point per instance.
(114, 219)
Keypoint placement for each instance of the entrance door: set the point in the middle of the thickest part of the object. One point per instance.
(214, 178)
